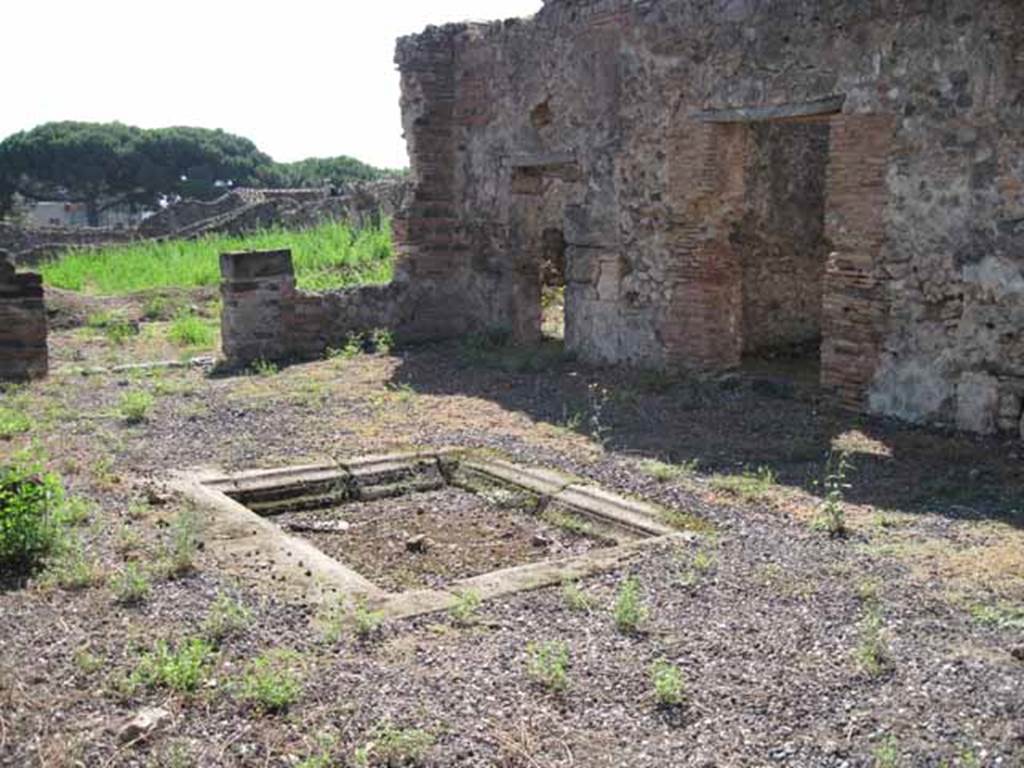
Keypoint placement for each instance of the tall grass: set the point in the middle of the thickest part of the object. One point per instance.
(331, 255)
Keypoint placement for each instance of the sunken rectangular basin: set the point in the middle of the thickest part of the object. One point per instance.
(409, 532)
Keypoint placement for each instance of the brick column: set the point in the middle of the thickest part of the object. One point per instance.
(701, 325)
(854, 305)
(23, 350)
(258, 289)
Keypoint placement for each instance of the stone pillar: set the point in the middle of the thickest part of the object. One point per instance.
(258, 289)
(23, 350)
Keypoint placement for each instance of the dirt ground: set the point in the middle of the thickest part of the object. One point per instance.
(899, 644)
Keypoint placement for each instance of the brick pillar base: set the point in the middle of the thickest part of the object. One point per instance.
(23, 351)
(258, 289)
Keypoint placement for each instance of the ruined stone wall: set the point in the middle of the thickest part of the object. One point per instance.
(657, 109)
(23, 350)
(265, 317)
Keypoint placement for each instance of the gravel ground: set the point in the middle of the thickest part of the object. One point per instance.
(773, 625)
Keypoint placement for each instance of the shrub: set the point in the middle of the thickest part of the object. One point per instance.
(189, 330)
(629, 610)
(135, 405)
(181, 669)
(383, 341)
(547, 663)
(271, 683)
(131, 586)
(30, 508)
(667, 680)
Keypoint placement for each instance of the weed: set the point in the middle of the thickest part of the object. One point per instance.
(156, 307)
(352, 348)
(466, 607)
(383, 341)
(667, 473)
(30, 503)
(887, 753)
(330, 255)
(832, 517)
(872, 652)
(70, 567)
(597, 400)
(547, 663)
(364, 620)
(749, 485)
(134, 406)
(271, 682)
(87, 662)
(189, 330)
(667, 680)
(999, 615)
(629, 611)
(227, 617)
(181, 669)
(131, 585)
(575, 598)
(263, 367)
(180, 551)
(117, 328)
(686, 521)
(13, 423)
(565, 520)
(390, 746)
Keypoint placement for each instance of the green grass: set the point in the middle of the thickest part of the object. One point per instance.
(188, 330)
(329, 256)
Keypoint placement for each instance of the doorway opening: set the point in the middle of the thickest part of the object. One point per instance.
(552, 283)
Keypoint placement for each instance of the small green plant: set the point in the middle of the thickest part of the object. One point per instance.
(667, 680)
(575, 598)
(750, 485)
(181, 669)
(116, 327)
(1000, 615)
(227, 617)
(332, 620)
(668, 473)
(13, 423)
(390, 747)
(629, 611)
(383, 341)
(263, 367)
(271, 682)
(31, 500)
(134, 406)
(466, 607)
(156, 307)
(131, 585)
(872, 652)
(547, 663)
(832, 517)
(364, 620)
(180, 551)
(86, 661)
(353, 347)
(567, 521)
(190, 330)
(69, 567)
(887, 754)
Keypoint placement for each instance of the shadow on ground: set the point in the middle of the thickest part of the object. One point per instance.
(735, 423)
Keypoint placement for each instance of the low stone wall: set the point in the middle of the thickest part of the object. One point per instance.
(23, 351)
(266, 317)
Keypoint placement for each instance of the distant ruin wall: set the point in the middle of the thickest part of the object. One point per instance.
(23, 349)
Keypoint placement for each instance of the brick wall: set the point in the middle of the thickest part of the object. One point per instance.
(23, 350)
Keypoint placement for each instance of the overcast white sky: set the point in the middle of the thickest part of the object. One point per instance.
(301, 78)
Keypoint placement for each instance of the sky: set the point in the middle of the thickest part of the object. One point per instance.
(301, 78)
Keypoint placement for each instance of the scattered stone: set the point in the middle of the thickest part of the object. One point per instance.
(418, 543)
(1018, 653)
(157, 498)
(540, 540)
(145, 722)
(318, 526)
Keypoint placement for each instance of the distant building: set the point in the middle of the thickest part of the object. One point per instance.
(68, 214)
